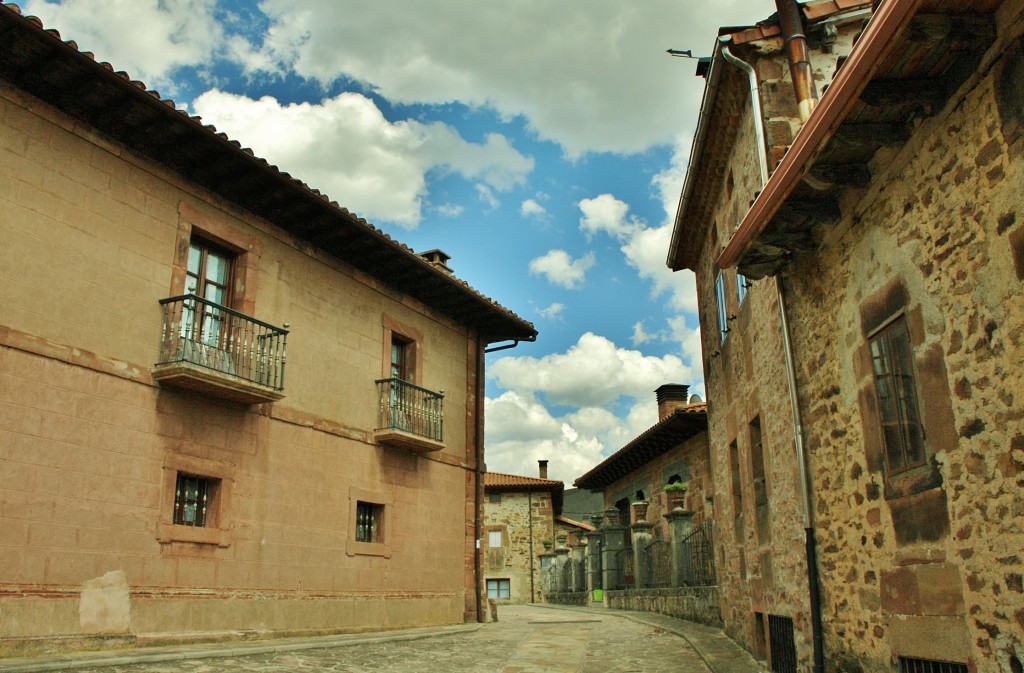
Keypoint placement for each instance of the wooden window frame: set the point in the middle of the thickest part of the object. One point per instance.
(722, 307)
(906, 396)
(411, 340)
(497, 581)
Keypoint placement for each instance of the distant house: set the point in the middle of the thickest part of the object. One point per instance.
(659, 501)
(521, 521)
(862, 337)
(227, 403)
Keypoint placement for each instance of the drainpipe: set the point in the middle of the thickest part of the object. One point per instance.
(802, 460)
(533, 588)
(810, 548)
(755, 101)
(799, 59)
(478, 478)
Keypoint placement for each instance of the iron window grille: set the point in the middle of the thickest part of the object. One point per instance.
(910, 665)
(782, 643)
(192, 499)
(369, 518)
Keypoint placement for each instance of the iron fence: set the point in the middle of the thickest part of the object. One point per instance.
(698, 556)
(410, 408)
(657, 560)
(625, 568)
(206, 334)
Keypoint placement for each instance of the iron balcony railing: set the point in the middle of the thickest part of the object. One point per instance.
(409, 408)
(200, 332)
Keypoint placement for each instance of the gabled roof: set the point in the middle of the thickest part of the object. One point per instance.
(909, 61)
(39, 62)
(726, 91)
(499, 482)
(659, 439)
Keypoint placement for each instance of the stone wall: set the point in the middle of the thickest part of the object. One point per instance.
(567, 597)
(525, 521)
(696, 604)
(925, 563)
(91, 235)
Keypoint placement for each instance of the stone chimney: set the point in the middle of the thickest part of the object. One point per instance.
(543, 468)
(671, 396)
(438, 259)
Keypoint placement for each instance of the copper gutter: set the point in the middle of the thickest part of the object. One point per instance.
(833, 108)
(799, 59)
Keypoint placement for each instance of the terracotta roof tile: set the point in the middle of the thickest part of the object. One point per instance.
(499, 479)
(68, 55)
(578, 524)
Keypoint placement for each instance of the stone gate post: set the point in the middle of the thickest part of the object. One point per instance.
(614, 543)
(641, 532)
(680, 525)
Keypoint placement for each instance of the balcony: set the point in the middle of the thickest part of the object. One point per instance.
(409, 417)
(215, 350)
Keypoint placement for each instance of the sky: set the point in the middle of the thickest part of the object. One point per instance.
(541, 143)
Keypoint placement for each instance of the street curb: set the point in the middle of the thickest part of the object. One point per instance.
(102, 659)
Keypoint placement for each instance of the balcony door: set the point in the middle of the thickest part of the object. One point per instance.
(208, 275)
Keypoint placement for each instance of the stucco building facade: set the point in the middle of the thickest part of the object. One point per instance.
(888, 239)
(226, 403)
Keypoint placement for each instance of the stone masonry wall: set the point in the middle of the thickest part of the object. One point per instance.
(696, 604)
(931, 568)
(525, 521)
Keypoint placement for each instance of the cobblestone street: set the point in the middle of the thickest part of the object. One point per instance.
(528, 639)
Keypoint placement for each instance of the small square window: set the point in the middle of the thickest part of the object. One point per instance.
(494, 498)
(369, 522)
(193, 500)
(499, 588)
(494, 539)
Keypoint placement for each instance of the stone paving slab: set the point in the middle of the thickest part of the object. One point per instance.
(528, 639)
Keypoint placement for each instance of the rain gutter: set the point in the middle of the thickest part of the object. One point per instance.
(832, 109)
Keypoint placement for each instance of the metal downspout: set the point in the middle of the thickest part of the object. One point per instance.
(478, 471)
(755, 101)
(533, 588)
(799, 59)
(810, 548)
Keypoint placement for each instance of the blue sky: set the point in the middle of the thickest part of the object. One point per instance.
(541, 144)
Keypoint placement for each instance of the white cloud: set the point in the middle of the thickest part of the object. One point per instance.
(601, 81)
(531, 208)
(345, 147)
(641, 335)
(521, 431)
(561, 269)
(593, 372)
(688, 339)
(552, 312)
(486, 194)
(449, 209)
(646, 253)
(606, 213)
(148, 39)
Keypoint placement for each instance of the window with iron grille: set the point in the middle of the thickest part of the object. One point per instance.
(193, 498)
(910, 665)
(369, 522)
(782, 644)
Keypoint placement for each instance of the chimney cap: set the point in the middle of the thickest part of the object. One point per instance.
(672, 391)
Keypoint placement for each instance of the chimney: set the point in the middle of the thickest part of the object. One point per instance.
(671, 396)
(543, 468)
(438, 259)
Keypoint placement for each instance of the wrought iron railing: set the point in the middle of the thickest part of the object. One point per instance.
(698, 556)
(657, 560)
(625, 576)
(407, 407)
(206, 334)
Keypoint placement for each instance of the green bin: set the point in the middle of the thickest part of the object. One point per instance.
(598, 595)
